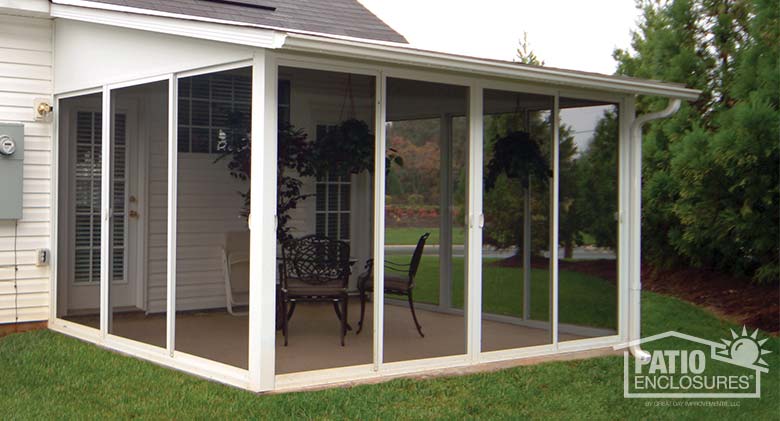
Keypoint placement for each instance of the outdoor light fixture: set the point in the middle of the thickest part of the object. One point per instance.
(43, 109)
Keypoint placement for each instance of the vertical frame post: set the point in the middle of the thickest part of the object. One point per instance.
(554, 220)
(105, 212)
(379, 220)
(445, 214)
(262, 223)
(527, 235)
(474, 224)
(633, 226)
(173, 151)
(625, 117)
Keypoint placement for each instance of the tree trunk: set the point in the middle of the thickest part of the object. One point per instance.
(568, 250)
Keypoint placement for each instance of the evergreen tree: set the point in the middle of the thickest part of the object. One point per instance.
(710, 196)
(596, 183)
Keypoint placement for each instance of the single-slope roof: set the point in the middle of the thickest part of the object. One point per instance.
(347, 18)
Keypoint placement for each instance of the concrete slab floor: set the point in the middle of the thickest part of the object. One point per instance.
(314, 340)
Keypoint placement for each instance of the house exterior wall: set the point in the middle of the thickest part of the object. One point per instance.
(26, 74)
(208, 207)
(90, 55)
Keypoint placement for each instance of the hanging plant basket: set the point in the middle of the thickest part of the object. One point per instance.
(518, 157)
(347, 148)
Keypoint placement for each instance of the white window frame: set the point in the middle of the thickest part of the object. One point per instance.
(339, 183)
(210, 127)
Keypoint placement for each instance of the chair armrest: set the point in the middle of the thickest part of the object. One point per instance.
(396, 266)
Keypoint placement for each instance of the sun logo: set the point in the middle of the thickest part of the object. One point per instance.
(744, 349)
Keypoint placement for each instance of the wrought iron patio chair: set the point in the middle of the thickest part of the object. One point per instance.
(314, 269)
(399, 280)
(235, 268)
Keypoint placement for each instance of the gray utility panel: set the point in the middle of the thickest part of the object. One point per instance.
(11, 170)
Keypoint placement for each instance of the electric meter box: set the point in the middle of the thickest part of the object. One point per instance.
(11, 170)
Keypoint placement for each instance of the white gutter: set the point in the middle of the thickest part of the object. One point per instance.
(635, 286)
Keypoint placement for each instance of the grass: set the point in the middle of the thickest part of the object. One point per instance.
(409, 236)
(583, 300)
(44, 375)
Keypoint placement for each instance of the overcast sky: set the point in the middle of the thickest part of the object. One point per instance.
(571, 34)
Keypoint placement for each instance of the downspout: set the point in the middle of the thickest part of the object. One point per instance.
(635, 287)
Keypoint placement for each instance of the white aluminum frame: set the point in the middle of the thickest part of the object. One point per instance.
(554, 219)
(262, 224)
(167, 356)
(261, 374)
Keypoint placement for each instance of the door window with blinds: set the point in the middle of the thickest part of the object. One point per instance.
(87, 198)
(333, 201)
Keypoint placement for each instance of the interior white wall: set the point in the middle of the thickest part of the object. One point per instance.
(208, 206)
(88, 55)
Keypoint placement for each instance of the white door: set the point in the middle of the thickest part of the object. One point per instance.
(85, 142)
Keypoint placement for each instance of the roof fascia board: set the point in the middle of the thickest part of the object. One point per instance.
(422, 58)
(30, 8)
(148, 12)
(250, 36)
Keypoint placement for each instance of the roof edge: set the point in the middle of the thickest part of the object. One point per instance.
(148, 12)
(253, 37)
(418, 57)
(374, 50)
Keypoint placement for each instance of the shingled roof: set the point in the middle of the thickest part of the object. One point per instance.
(333, 17)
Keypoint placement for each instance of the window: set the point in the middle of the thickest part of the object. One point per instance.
(333, 201)
(86, 197)
(284, 102)
(206, 103)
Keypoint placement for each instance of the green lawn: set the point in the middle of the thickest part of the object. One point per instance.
(407, 236)
(44, 375)
(583, 300)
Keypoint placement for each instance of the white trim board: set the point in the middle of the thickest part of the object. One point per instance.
(167, 24)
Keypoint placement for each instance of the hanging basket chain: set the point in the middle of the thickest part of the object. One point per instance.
(348, 94)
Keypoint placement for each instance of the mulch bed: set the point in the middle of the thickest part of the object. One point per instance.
(736, 299)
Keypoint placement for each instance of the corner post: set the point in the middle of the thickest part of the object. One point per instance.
(262, 224)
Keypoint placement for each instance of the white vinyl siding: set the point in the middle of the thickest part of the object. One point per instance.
(26, 74)
(208, 206)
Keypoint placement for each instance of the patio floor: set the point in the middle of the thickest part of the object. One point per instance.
(314, 336)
